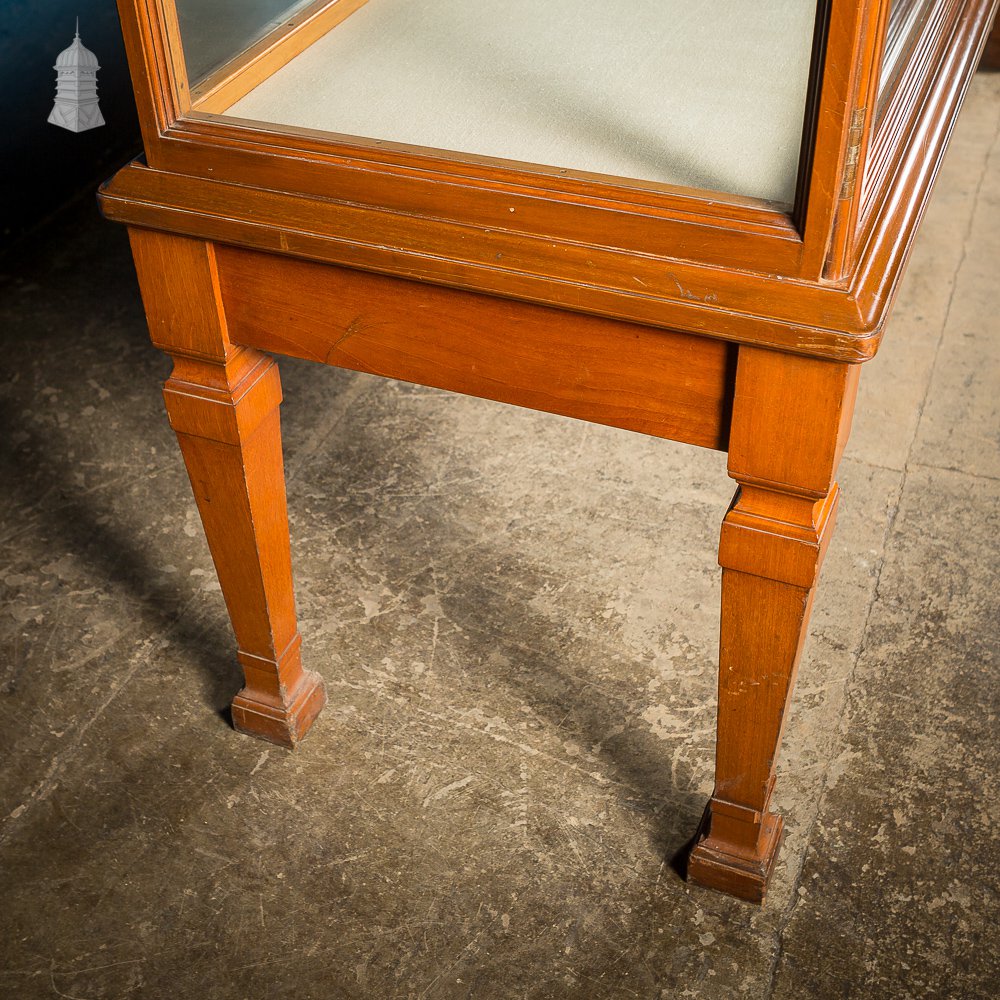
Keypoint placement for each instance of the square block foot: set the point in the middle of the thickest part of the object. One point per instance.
(275, 723)
(742, 877)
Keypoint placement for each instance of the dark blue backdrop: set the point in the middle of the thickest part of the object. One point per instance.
(43, 167)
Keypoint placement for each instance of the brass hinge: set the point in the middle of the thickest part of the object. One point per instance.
(854, 138)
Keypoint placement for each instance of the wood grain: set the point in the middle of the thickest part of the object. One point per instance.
(808, 318)
(791, 418)
(659, 382)
(820, 244)
(222, 401)
(615, 301)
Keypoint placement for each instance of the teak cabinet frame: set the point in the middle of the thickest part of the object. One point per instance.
(701, 317)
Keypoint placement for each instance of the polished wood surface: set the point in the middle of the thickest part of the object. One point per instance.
(711, 319)
(720, 270)
(222, 400)
(791, 418)
(659, 382)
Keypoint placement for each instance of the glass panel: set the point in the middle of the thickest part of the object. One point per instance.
(906, 20)
(708, 95)
(214, 31)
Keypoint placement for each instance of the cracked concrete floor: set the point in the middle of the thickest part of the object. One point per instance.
(516, 618)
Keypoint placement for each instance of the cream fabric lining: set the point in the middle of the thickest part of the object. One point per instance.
(707, 94)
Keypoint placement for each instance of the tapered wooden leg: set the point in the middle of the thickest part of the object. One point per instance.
(222, 401)
(791, 418)
(226, 420)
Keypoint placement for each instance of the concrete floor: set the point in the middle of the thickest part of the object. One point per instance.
(516, 618)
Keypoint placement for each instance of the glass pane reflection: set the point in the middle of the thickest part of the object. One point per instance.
(214, 31)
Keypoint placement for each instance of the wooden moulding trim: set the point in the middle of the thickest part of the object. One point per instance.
(152, 59)
(737, 231)
(215, 414)
(226, 85)
(862, 105)
(283, 726)
(266, 675)
(846, 23)
(394, 159)
(720, 807)
(707, 265)
(746, 877)
(807, 146)
(804, 317)
(682, 226)
(776, 486)
(894, 211)
(774, 550)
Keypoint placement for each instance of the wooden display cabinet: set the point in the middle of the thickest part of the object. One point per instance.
(690, 227)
